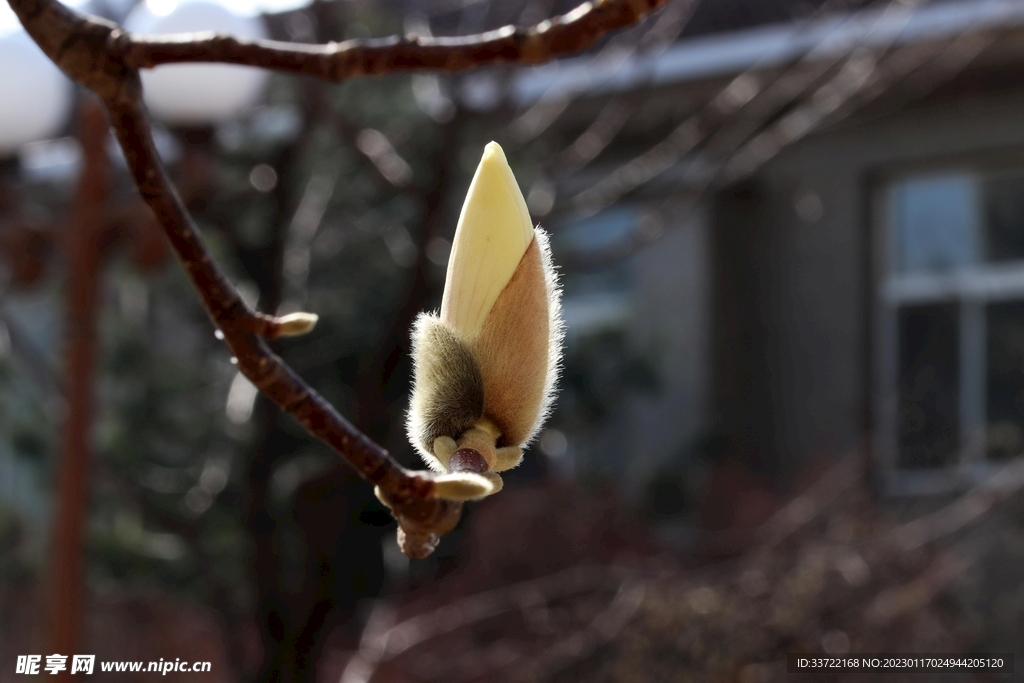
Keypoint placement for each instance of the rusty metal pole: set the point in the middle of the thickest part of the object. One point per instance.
(83, 254)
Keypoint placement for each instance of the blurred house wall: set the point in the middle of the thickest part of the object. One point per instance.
(794, 295)
(672, 317)
(766, 296)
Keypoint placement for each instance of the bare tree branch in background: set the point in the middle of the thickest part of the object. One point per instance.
(770, 116)
(746, 104)
(799, 575)
(749, 121)
(84, 251)
(572, 32)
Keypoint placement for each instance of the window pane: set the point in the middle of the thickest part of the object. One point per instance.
(929, 433)
(1003, 197)
(936, 222)
(1005, 432)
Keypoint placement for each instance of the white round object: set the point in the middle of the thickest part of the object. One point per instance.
(198, 94)
(36, 96)
(8, 19)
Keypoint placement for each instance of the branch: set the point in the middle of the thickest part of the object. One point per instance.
(84, 258)
(104, 58)
(71, 40)
(571, 32)
(422, 516)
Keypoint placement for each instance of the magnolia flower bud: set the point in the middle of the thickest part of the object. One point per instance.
(485, 368)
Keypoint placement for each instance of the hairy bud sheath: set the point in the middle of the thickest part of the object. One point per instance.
(485, 368)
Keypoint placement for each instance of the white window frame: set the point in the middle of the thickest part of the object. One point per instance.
(972, 288)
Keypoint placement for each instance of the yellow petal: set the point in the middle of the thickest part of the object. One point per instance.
(493, 233)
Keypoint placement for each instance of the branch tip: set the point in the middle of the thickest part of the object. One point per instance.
(295, 324)
(577, 29)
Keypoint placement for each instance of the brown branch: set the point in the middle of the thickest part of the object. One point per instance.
(572, 32)
(104, 58)
(75, 43)
(422, 517)
(84, 257)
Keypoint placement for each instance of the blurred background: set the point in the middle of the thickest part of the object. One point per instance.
(791, 238)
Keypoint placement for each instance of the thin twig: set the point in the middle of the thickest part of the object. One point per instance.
(740, 109)
(925, 64)
(384, 640)
(571, 32)
(423, 517)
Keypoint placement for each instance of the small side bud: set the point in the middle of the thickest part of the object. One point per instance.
(294, 324)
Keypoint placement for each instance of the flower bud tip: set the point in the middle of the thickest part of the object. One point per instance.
(493, 233)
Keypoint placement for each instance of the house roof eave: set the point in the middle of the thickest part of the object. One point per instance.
(768, 48)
